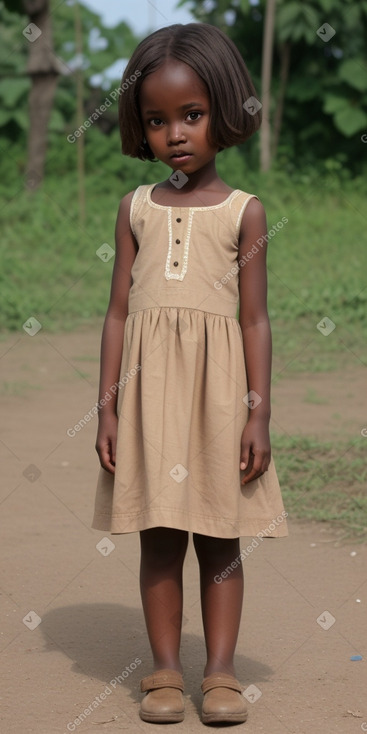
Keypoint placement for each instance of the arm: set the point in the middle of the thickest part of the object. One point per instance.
(255, 327)
(113, 333)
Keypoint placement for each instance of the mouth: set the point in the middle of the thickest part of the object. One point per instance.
(180, 157)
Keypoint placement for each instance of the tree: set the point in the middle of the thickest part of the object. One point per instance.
(101, 48)
(43, 69)
(266, 74)
(318, 101)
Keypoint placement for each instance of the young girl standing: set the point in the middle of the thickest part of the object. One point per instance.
(185, 446)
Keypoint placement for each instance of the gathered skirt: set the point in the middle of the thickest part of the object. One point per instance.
(181, 415)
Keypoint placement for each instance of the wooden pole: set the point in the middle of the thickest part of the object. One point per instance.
(266, 70)
(80, 114)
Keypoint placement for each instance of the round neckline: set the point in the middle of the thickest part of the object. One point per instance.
(197, 208)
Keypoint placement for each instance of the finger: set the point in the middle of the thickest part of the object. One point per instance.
(245, 456)
(265, 462)
(259, 467)
(106, 460)
(254, 469)
(113, 451)
(253, 474)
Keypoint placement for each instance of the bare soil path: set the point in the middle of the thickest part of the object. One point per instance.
(305, 601)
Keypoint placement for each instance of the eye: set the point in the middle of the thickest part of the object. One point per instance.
(155, 122)
(196, 116)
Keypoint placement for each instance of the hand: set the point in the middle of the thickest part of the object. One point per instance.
(106, 441)
(255, 449)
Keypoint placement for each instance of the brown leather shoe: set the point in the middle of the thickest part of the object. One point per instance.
(163, 702)
(223, 700)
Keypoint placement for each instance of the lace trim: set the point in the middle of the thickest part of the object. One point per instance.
(226, 201)
(241, 213)
(169, 275)
(136, 195)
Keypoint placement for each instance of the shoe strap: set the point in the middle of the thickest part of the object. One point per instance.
(162, 679)
(219, 680)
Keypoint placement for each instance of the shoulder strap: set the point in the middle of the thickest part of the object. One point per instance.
(138, 199)
(237, 207)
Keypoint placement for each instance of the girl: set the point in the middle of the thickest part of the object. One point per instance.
(185, 446)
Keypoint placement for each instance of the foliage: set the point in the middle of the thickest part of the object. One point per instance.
(102, 47)
(50, 268)
(325, 109)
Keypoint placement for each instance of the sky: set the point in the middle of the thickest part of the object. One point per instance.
(141, 15)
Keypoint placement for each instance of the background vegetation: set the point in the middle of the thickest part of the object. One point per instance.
(317, 262)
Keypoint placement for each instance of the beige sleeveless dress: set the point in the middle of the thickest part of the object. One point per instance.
(183, 380)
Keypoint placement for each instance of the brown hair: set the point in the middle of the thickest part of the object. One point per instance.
(219, 64)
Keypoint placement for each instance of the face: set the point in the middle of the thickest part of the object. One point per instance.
(175, 108)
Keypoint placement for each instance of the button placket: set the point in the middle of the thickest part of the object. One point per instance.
(177, 238)
(178, 242)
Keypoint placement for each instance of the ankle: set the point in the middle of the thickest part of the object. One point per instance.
(167, 665)
(219, 667)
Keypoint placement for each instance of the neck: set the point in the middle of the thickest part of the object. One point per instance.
(204, 178)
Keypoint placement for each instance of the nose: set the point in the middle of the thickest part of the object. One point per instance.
(175, 133)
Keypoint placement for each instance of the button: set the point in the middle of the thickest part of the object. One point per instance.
(175, 263)
(178, 219)
(178, 242)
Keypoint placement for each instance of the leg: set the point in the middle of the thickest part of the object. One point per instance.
(163, 552)
(221, 603)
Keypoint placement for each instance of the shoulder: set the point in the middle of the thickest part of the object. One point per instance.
(126, 200)
(128, 204)
(253, 219)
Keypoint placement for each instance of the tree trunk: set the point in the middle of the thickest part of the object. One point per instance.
(43, 68)
(266, 70)
(285, 59)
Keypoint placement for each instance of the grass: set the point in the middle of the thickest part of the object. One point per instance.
(20, 388)
(50, 268)
(324, 481)
(312, 397)
(316, 264)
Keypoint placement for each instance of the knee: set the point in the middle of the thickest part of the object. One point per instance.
(216, 550)
(163, 546)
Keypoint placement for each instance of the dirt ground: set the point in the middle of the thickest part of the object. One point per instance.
(71, 615)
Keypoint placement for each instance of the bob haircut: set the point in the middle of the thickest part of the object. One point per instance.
(218, 63)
